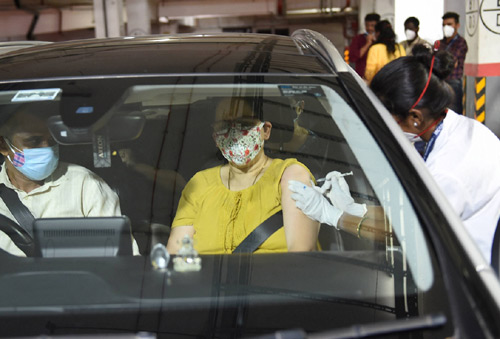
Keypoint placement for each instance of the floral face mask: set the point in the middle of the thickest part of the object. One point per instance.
(239, 143)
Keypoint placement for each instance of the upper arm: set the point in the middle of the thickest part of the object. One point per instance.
(101, 200)
(300, 231)
(371, 63)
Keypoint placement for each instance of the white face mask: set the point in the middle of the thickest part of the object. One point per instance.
(410, 35)
(448, 31)
(412, 137)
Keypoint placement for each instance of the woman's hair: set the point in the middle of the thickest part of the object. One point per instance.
(386, 35)
(400, 83)
(240, 107)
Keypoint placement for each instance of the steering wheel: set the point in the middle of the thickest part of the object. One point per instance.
(18, 235)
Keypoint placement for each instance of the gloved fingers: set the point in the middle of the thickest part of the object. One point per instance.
(296, 186)
(297, 196)
(311, 195)
(330, 214)
(340, 185)
(343, 185)
(332, 174)
(300, 205)
(325, 187)
(318, 189)
(338, 197)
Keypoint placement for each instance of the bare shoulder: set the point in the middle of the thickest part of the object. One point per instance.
(295, 172)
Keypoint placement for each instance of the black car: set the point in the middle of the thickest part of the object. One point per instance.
(137, 112)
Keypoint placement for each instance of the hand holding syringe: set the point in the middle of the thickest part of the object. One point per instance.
(313, 204)
(337, 190)
(339, 175)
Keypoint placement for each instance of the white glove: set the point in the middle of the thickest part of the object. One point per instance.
(313, 204)
(339, 194)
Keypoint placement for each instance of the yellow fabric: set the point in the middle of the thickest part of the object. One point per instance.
(378, 58)
(223, 218)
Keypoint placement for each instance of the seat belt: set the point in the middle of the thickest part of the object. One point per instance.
(17, 208)
(260, 234)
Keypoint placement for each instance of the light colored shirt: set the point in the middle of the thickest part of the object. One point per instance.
(71, 191)
(417, 41)
(465, 162)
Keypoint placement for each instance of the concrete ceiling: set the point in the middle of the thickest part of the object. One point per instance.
(42, 4)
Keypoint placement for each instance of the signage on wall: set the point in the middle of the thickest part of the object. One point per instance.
(482, 27)
(472, 17)
(490, 15)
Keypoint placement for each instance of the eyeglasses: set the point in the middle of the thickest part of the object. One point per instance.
(223, 126)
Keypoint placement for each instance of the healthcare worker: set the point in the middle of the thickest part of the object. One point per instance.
(462, 154)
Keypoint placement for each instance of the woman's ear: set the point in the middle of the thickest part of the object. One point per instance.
(416, 118)
(266, 130)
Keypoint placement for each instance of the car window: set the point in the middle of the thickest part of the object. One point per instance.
(147, 138)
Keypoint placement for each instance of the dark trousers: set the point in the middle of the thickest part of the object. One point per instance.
(456, 104)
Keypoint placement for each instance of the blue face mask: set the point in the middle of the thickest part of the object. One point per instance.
(35, 163)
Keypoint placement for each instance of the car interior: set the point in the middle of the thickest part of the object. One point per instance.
(147, 141)
(154, 143)
(151, 139)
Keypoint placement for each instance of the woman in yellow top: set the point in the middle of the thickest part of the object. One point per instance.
(220, 206)
(383, 51)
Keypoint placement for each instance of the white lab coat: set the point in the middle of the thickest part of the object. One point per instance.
(465, 162)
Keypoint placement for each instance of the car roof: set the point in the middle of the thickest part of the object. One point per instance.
(9, 46)
(165, 54)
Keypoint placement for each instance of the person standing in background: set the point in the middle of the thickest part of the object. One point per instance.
(358, 50)
(411, 31)
(383, 51)
(457, 46)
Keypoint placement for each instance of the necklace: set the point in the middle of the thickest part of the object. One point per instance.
(254, 180)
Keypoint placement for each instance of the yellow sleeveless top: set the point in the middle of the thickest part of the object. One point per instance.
(223, 218)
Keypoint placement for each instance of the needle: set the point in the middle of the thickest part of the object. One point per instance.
(340, 175)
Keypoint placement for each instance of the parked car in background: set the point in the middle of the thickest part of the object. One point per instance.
(137, 111)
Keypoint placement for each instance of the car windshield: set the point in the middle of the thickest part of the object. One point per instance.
(146, 138)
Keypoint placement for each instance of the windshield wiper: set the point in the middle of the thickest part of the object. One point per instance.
(368, 330)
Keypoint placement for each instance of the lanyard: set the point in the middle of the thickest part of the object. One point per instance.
(451, 42)
(432, 140)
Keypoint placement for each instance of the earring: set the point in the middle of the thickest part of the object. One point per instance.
(415, 124)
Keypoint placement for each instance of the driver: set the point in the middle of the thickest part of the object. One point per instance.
(47, 187)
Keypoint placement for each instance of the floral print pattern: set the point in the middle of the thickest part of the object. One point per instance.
(240, 146)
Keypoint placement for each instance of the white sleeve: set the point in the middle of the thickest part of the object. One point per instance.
(8, 245)
(454, 191)
(99, 199)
